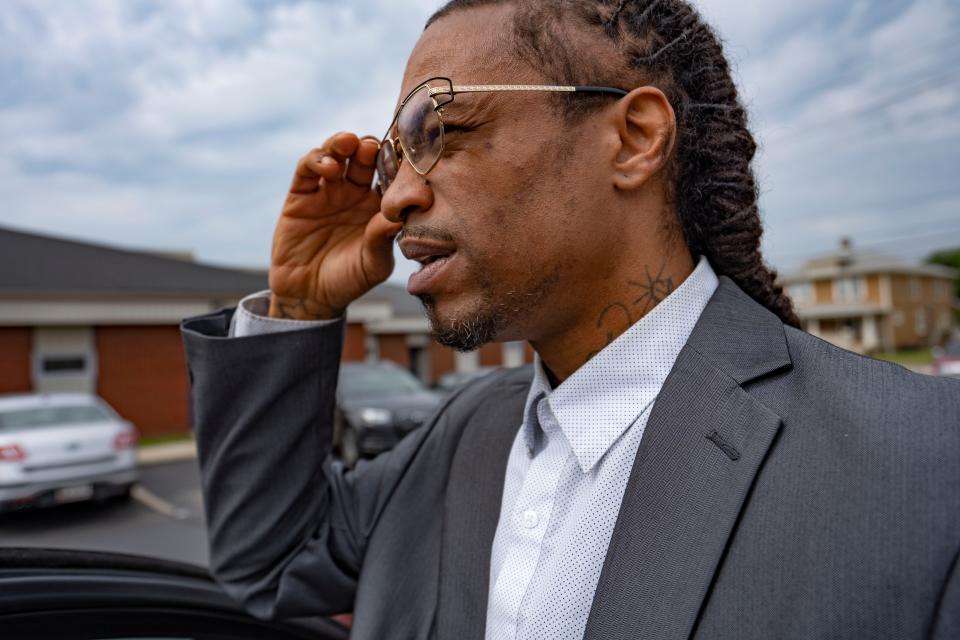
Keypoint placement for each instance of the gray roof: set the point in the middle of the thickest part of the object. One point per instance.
(849, 262)
(403, 303)
(34, 264)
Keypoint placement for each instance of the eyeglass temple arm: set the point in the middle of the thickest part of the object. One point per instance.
(527, 87)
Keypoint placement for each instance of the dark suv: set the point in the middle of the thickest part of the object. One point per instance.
(377, 404)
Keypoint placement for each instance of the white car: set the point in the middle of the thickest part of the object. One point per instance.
(63, 447)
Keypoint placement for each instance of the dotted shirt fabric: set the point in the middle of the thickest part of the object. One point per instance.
(568, 468)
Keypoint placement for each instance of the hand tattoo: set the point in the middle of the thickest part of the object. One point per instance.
(297, 309)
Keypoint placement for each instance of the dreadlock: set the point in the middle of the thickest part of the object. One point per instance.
(667, 44)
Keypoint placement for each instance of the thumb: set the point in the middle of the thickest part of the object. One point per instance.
(378, 248)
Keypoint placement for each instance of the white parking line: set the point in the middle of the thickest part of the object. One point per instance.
(154, 502)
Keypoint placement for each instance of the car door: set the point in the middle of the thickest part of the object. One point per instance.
(70, 595)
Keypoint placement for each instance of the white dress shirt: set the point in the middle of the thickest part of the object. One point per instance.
(568, 468)
(251, 318)
(568, 465)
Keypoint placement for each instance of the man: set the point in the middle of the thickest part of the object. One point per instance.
(679, 462)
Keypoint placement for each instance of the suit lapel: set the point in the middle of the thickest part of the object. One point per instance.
(703, 445)
(472, 510)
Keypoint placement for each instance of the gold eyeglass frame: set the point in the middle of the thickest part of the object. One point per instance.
(450, 90)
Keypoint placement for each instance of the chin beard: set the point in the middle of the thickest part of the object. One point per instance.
(495, 314)
(463, 334)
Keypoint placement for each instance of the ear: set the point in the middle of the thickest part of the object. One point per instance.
(647, 127)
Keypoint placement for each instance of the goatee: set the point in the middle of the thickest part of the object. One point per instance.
(463, 334)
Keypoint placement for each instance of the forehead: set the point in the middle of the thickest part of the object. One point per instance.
(469, 46)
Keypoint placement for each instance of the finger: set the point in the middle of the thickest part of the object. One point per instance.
(341, 145)
(311, 168)
(378, 247)
(362, 165)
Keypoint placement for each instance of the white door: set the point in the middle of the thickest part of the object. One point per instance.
(64, 359)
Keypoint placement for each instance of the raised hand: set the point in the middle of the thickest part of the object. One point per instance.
(331, 243)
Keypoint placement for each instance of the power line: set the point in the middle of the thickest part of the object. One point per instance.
(876, 243)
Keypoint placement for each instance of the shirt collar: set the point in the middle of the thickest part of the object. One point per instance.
(601, 399)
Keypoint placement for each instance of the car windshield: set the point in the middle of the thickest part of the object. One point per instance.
(49, 416)
(359, 382)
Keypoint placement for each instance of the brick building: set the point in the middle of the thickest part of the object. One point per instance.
(868, 302)
(76, 316)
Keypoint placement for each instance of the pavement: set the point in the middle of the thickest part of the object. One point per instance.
(164, 518)
(167, 453)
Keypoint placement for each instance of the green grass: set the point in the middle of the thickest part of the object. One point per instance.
(915, 357)
(148, 441)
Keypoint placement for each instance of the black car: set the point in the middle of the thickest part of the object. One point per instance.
(83, 595)
(378, 403)
(450, 382)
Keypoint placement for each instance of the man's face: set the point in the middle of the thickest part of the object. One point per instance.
(515, 192)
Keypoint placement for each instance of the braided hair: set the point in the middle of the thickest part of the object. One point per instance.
(665, 43)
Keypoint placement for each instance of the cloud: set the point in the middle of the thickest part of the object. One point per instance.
(177, 123)
(862, 107)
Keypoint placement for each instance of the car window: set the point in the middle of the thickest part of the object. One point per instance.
(356, 382)
(39, 417)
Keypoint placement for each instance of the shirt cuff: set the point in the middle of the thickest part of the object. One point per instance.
(252, 318)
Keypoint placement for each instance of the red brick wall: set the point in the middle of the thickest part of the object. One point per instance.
(143, 375)
(15, 344)
(394, 348)
(441, 360)
(491, 355)
(355, 343)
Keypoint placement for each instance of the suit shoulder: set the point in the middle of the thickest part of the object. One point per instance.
(476, 392)
(862, 388)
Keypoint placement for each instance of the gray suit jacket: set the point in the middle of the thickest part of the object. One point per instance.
(784, 488)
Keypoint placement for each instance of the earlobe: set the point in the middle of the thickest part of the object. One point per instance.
(646, 125)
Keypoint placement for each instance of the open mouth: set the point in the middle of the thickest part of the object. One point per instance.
(434, 259)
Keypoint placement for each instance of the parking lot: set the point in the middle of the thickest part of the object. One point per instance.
(163, 518)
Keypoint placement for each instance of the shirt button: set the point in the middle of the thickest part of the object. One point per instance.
(530, 519)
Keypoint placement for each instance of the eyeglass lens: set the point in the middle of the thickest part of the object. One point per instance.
(420, 132)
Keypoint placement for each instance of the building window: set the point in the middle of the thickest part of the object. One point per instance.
(915, 288)
(945, 321)
(920, 322)
(801, 293)
(943, 289)
(849, 290)
(63, 364)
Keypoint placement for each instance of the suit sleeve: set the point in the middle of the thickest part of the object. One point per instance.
(287, 524)
(947, 621)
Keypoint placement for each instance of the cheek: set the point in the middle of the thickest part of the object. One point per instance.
(511, 204)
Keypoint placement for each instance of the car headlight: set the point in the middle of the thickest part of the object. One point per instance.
(375, 417)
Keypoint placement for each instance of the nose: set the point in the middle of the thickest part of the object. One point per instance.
(409, 192)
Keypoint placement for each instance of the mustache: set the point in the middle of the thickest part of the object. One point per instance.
(426, 232)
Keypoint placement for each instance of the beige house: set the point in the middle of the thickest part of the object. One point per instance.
(868, 302)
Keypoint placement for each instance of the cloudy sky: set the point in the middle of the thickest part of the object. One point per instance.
(175, 124)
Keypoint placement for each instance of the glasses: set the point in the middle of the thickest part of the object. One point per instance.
(419, 121)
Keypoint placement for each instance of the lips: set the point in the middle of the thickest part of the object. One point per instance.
(434, 257)
(425, 251)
